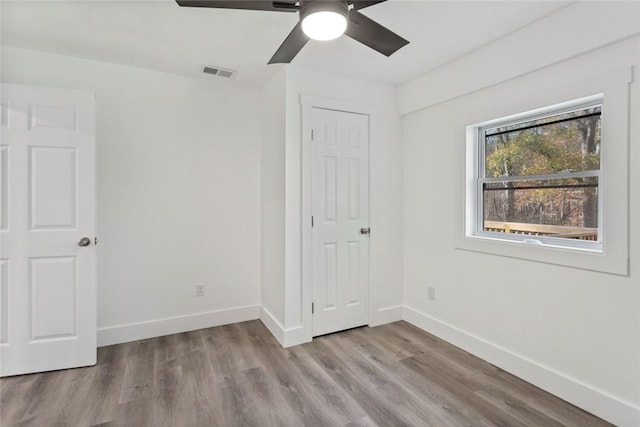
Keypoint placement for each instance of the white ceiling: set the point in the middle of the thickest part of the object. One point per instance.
(160, 35)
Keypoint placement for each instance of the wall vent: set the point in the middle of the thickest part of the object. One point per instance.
(218, 71)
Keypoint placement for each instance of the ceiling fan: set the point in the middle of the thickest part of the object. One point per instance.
(319, 20)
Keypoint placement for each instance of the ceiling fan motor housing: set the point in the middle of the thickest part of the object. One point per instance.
(308, 7)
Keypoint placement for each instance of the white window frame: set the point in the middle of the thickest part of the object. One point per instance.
(478, 130)
(557, 89)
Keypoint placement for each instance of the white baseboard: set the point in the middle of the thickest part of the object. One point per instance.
(287, 337)
(272, 324)
(295, 336)
(386, 315)
(590, 399)
(174, 325)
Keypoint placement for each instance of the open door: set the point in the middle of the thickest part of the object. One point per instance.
(48, 229)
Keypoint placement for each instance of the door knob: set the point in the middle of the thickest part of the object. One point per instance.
(85, 241)
(365, 230)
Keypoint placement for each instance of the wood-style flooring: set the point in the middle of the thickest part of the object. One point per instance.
(238, 375)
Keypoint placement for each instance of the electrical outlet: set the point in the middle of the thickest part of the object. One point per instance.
(431, 293)
(199, 289)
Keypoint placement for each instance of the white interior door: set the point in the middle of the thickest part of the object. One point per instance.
(47, 205)
(340, 209)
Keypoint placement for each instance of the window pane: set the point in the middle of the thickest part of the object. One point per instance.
(565, 142)
(565, 208)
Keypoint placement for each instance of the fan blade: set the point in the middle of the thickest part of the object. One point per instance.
(274, 6)
(370, 33)
(290, 47)
(361, 4)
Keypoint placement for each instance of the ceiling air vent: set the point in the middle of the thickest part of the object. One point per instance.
(220, 72)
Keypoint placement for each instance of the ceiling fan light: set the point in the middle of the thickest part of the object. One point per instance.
(324, 25)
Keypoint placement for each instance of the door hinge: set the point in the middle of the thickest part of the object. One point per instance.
(312, 220)
(312, 308)
(312, 134)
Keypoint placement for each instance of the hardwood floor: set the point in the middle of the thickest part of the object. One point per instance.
(238, 375)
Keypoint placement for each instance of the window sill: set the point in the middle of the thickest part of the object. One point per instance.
(591, 259)
(562, 244)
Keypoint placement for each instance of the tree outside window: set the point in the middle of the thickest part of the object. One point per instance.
(540, 176)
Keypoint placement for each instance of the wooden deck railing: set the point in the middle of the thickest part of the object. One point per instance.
(581, 233)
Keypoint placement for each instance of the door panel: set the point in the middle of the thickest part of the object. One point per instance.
(52, 187)
(4, 285)
(53, 116)
(353, 273)
(53, 303)
(330, 189)
(330, 282)
(354, 189)
(4, 187)
(340, 207)
(48, 288)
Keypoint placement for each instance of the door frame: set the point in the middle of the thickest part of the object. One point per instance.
(308, 103)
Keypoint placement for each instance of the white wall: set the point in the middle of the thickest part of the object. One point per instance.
(199, 181)
(573, 332)
(272, 182)
(178, 193)
(574, 29)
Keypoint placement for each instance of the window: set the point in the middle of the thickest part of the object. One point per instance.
(548, 181)
(538, 177)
